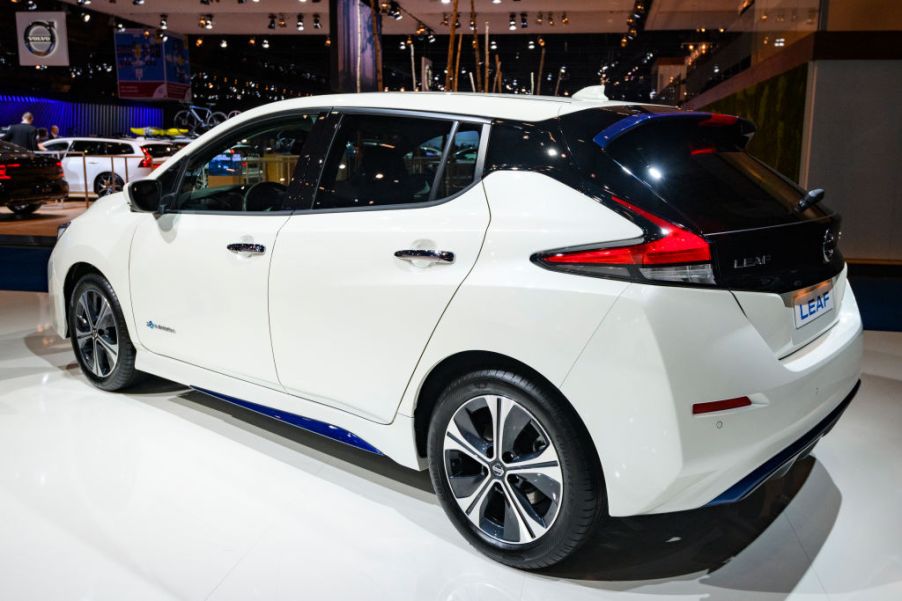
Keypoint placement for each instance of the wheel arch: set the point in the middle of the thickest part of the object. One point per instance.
(461, 363)
(73, 275)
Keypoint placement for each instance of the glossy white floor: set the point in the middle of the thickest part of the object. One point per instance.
(166, 494)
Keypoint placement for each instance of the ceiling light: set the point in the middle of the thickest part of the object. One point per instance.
(272, 22)
(85, 16)
(223, 43)
(317, 24)
(300, 22)
(512, 22)
(524, 20)
(265, 43)
(164, 22)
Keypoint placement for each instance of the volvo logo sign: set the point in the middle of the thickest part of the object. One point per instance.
(829, 246)
(40, 38)
(498, 470)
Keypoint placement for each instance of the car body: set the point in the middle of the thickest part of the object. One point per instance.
(108, 162)
(656, 301)
(28, 180)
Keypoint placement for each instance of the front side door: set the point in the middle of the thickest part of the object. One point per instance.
(199, 272)
(360, 280)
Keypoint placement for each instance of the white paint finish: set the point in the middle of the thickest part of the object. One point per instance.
(159, 494)
(680, 346)
(775, 321)
(510, 306)
(184, 278)
(350, 320)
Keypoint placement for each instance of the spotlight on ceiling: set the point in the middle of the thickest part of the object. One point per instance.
(272, 22)
(317, 24)
(300, 22)
(164, 22)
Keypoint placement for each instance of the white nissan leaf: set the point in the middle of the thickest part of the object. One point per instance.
(565, 309)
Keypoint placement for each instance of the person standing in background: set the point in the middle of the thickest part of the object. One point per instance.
(54, 132)
(24, 134)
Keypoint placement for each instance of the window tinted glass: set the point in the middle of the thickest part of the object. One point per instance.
(56, 146)
(385, 160)
(460, 168)
(88, 147)
(703, 171)
(119, 149)
(249, 171)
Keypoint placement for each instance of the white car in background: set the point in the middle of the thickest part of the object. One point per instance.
(108, 162)
(565, 309)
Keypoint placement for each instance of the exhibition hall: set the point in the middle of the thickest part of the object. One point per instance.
(450, 299)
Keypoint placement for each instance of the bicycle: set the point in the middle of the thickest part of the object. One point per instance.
(198, 118)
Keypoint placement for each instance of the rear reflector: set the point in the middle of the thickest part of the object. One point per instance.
(715, 406)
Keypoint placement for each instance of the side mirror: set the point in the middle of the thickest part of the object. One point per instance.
(145, 195)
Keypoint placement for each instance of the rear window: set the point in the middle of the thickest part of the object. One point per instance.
(701, 169)
(158, 151)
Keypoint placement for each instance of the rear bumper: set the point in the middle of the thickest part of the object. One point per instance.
(781, 462)
(662, 349)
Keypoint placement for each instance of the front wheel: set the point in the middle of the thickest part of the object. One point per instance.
(513, 469)
(99, 336)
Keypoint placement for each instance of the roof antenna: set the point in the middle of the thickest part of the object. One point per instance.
(591, 93)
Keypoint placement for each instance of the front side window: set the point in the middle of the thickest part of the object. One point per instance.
(379, 160)
(89, 147)
(249, 171)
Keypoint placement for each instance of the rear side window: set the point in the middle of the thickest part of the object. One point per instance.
(700, 168)
(91, 147)
(380, 160)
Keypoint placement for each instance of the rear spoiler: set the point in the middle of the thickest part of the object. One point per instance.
(631, 122)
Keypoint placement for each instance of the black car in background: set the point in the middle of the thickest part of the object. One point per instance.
(28, 180)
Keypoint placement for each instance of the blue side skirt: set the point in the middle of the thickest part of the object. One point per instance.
(782, 461)
(299, 421)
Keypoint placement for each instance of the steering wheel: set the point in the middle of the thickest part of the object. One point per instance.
(264, 196)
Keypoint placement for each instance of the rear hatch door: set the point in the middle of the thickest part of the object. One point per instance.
(781, 264)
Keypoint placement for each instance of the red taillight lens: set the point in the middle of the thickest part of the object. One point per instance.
(4, 174)
(723, 405)
(674, 254)
(147, 161)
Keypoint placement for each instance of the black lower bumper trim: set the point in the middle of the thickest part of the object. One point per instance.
(784, 459)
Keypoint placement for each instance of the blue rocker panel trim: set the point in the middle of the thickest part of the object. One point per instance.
(299, 421)
(785, 458)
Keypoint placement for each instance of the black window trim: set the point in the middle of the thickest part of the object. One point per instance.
(452, 117)
(251, 124)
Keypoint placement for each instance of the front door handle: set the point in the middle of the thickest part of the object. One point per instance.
(246, 247)
(432, 256)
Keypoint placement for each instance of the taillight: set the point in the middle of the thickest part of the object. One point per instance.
(4, 174)
(667, 253)
(147, 161)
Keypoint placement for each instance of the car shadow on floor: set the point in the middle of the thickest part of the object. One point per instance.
(623, 553)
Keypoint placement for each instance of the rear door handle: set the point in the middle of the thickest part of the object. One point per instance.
(246, 247)
(433, 256)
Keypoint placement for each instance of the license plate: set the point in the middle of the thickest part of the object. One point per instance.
(812, 304)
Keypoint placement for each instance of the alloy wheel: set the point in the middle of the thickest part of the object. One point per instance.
(96, 333)
(503, 469)
(108, 184)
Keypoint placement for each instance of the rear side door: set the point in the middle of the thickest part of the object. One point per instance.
(360, 279)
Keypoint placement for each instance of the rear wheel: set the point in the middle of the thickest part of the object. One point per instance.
(99, 336)
(25, 208)
(108, 183)
(512, 469)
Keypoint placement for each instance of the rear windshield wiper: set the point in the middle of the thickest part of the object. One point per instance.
(812, 198)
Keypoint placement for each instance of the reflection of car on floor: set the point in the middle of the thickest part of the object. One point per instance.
(576, 309)
(28, 180)
(109, 162)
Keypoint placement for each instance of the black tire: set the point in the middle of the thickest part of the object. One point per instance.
(123, 373)
(25, 208)
(582, 497)
(108, 183)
